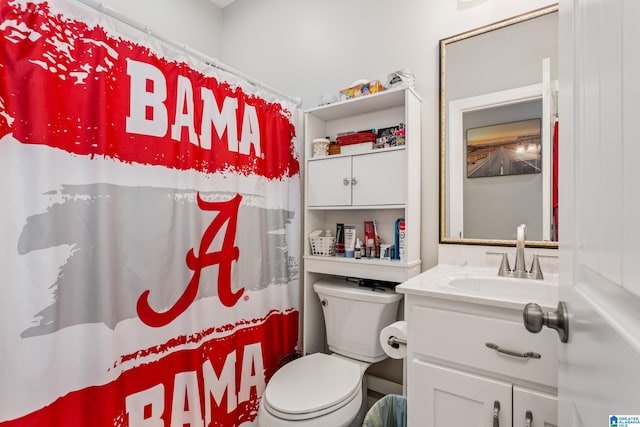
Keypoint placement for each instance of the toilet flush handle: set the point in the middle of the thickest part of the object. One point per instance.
(324, 302)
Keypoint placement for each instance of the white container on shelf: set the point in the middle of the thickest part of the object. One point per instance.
(321, 147)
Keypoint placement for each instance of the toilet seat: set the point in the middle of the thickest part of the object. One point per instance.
(312, 386)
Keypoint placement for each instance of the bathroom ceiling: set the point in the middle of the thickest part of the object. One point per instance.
(222, 3)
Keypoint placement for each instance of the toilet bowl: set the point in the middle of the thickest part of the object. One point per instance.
(317, 390)
(321, 390)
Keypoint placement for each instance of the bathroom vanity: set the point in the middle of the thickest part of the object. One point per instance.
(470, 360)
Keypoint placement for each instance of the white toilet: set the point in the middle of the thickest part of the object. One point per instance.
(320, 390)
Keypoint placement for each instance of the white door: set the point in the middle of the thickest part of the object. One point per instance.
(599, 227)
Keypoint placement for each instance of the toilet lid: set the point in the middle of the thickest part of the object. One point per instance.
(313, 383)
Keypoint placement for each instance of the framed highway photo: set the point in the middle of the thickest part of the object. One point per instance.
(511, 148)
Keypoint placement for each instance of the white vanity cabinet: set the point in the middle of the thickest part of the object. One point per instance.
(475, 364)
(373, 184)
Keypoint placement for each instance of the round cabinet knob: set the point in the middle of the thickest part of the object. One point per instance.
(346, 181)
(534, 319)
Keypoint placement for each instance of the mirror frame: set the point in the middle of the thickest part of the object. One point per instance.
(443, 129)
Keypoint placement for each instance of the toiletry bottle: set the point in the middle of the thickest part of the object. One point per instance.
(349, 240)
(340, 240)
(376, 239)
(357, 253)
(371, 252)
(399, 239)
(402, 247)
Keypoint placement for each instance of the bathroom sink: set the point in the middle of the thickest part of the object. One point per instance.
(482, 285)
(506, 288)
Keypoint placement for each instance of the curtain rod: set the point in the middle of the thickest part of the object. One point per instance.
(212, 62)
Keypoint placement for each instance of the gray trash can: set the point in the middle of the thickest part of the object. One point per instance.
(390, 411)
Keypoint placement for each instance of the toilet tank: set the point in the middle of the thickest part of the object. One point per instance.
(354, 317)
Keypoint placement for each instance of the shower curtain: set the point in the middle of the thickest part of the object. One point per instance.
(149, 228)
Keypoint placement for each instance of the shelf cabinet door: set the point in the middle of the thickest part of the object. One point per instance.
(326, 182)
(379, 178)
(441, 396)
(543, 408)
(374, 179)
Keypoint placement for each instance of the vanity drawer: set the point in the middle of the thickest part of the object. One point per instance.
(462, 338)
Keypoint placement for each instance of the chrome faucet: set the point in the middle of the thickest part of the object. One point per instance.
(520, 270)
(521, 237)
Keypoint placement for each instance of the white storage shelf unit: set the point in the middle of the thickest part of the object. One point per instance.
(381, 185)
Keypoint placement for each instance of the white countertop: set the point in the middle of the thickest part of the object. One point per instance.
(482, 285)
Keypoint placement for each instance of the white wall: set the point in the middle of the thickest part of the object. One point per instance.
(309, 48)
(195, 23)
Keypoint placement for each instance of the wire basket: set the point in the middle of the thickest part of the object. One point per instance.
(323, 246)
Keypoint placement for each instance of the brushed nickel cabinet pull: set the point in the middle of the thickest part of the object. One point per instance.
(496, 413)
(528, 419)
(527, 355)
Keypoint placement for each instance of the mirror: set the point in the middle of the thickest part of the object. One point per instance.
(498, 121)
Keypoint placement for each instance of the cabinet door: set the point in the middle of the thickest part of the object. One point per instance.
(329, 182)
(543, 408)
(379, 178)
(447, 397)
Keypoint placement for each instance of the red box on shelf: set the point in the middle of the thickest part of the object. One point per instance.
(354, 143)
(356, 138)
